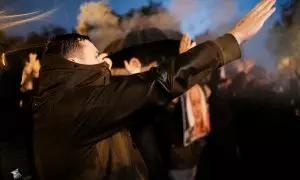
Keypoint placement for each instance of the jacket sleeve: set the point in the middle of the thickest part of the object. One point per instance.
(109, 107)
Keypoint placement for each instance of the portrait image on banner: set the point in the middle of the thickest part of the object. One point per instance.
(195, 114)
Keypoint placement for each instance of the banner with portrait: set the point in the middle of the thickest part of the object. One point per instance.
(195, 115)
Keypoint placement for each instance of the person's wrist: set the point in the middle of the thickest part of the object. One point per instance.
(236, 36)
(134, 71)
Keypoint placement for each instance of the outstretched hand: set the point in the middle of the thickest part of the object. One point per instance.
(186, 43)
(30, 72)
(253, 21)
(133, 66)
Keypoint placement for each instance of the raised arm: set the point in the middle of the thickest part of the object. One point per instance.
(110, 107)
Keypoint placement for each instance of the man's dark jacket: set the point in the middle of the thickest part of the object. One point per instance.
(75, 110)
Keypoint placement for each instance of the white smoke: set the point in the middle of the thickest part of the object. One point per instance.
(217, 16)
(207, 14)
(161, 20)
(182, 9)
(97, 20)
(97, 13)
(103, 26)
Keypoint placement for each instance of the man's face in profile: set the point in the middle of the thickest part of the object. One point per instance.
(90, 54)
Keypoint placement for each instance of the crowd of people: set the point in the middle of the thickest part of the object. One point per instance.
(69, 114)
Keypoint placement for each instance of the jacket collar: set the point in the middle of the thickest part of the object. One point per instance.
(50, 62)
(57, 73)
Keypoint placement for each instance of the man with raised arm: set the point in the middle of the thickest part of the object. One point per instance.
(76, 106)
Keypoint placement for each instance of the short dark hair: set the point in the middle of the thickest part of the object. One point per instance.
(65, 44)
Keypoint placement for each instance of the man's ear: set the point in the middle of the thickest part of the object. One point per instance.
(75, 60)
(109, 62)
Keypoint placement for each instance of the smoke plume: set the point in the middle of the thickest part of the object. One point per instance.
(216, 16)
(97, 20)
(103, 26)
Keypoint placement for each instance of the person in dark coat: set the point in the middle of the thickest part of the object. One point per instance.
(160, 142)
(16, 120)
(77, 106)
